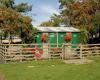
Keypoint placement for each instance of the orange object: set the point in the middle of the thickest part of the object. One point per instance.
(68, 37)
(45, 37)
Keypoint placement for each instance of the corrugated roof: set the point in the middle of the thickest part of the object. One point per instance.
(57, 29)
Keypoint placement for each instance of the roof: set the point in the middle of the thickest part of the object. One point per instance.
(57, 29)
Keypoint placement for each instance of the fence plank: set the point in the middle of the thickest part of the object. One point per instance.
(11, 52)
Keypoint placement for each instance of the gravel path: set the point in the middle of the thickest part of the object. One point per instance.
(1, 77)
(78, 61)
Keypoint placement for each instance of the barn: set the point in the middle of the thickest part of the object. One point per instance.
(57, 35)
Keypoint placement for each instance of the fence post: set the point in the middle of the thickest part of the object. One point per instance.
(80, 51)
(49, 51)
(20, 52)
(62, 51)
(5, 54)
(65, 51)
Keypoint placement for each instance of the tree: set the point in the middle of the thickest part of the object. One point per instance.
(97, 19)
(46, 24)
(54, 21)
(96, 31)
(79, 14)
(22, 7)
(16, 23)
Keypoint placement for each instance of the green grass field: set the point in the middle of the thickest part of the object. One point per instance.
(51, 70)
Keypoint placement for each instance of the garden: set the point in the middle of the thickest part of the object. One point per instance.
(64, 47)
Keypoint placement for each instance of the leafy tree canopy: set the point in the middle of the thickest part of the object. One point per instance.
(54, 21)
(22, 7)
(15, 23)
(82, 15)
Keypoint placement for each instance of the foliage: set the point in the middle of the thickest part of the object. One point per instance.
(28, 34)
(22, 7)
(54, 21)
(97, 19)
(97, 23)
(7, 3)
(84, 36)
(46, 24)
(13, 22)
(34, 33)
(80, 15)
(8, 21)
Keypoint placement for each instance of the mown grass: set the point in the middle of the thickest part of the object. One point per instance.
(51, 70)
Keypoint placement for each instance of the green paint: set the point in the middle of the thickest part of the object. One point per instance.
(53, 39)
(38, 39)
(61, 39)
(75, 39)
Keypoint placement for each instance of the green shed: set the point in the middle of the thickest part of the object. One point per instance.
(56, 35)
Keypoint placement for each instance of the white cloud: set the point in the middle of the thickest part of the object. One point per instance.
(49, 9)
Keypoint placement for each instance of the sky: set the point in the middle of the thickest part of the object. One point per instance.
(41, 9)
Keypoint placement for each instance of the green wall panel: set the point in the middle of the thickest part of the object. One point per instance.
(61, 39)
(38, 39)
(75, 39)
(52, 39)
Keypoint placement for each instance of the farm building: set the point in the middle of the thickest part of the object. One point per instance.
(57, 35)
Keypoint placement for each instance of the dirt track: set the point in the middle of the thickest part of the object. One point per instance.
(78, 61)
(1, 77)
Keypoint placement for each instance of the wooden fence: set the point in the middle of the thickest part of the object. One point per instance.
(2, 53)
(29, 52)
(80, 51)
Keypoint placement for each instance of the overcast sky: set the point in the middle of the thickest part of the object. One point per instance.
(42, 9)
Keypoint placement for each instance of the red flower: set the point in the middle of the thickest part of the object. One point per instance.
(45, 37)
(68, 37)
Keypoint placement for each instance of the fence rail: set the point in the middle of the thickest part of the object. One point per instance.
(80, 51)
(2, 54)
(29, 52)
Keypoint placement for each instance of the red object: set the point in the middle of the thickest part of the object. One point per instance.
(45, 37)
(36, 51)
(68, 37)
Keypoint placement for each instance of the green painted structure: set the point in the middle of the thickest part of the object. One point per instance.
(56, 35)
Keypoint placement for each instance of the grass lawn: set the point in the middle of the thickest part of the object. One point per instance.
(51, 70)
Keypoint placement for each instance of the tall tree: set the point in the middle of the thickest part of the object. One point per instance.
(79, 14)
(22, 7)
(15, 21)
